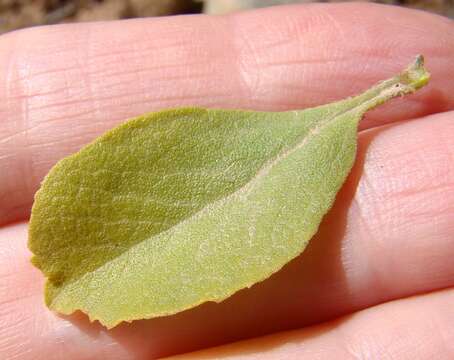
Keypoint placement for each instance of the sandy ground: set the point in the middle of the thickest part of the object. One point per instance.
(15, 14)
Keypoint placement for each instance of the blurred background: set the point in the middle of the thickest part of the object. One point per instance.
(16, 14)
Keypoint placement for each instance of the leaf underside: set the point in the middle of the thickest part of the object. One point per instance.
(179, 207)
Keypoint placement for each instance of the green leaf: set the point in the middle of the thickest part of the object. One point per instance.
(179, 207)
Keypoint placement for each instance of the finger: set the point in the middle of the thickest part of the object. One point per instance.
(421, 327)
(389, 235)
(27, 330)
(64, 85)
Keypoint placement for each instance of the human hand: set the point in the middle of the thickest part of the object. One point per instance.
(383, 256)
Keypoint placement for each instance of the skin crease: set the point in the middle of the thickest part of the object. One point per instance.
(389, 235)
(359, 336)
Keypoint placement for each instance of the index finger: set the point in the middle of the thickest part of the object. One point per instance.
(62, 86)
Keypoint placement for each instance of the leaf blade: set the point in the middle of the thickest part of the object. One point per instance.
(168, 268)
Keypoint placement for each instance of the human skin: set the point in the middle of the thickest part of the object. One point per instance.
(376, 282)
